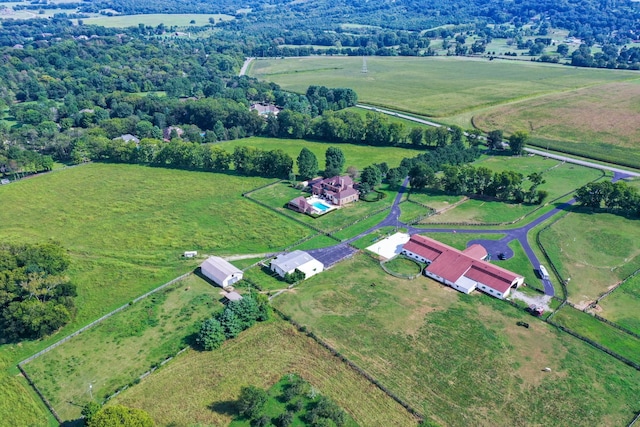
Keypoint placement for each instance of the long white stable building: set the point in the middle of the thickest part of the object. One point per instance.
(465, 270)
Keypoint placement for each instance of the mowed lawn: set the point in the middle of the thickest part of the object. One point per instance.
(622, 306)
(433, 86)
(359, 156)
(127, 226)
(155, 19)
(594, 250)
(200, 388)
(599, 121)
(462, 360)
(117, 351)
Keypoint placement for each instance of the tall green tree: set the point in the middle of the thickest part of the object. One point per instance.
(211, 334)
(252, 401)
(421, 176)
(517, 142)
(120, 416)
(494, 139)
(334, 162)
(307, 164)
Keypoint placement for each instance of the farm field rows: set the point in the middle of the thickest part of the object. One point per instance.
(433, 86)
(461, 359)
(583, 111)
(260, 356)
(134, 340)
(601, 121)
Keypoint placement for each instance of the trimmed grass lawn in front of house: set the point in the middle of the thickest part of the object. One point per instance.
(259, 356)
(461, 359)
(117, 351)
(594, 250)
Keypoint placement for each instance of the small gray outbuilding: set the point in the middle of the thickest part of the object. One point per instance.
(220, 271)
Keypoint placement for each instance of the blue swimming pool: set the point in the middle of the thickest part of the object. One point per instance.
(320, 206)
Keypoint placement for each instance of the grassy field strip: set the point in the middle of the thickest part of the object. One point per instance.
(260, 356)
(619, 342)
(153, 20)
(359, 156)
(117, 351)
(622, 306)
(461, 359)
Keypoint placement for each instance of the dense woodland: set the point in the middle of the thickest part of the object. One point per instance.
(36, 297)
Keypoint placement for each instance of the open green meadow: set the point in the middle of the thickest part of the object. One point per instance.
(359, 156)
(153, 20)
(460, 359)
(622, 306)
(210, 381)
(125, 228)
(116, 352)
(432, 86)
(593, 251)
(460, 240)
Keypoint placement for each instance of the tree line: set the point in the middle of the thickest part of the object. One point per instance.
(36, 297)
(618, 197)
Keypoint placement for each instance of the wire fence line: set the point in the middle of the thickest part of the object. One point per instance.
(106, 316)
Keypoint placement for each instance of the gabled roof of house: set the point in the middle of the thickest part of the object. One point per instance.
(218, 269)
(292, 260)
(491, 275)
(476, 251)
(450, 265)
(427, 248)
(346, 193)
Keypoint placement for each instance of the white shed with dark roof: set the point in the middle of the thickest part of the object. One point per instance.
(220, 271)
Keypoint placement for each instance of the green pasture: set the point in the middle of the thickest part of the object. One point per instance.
(153, 20)
(319, 241)
(210, 381)
(410, 212)
(435, 199)
(461, 359)
(277, 404)
(620, 342)
(359, 156)
(127, 226)
(404, 266)
(117, 351)
(361, 226)
(265, 278)
(593, 250)
(432, 86)
(622, 306)
(278, 195)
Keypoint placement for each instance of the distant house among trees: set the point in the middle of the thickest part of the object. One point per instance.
(221, 272)
(265, 110)
(172, 131)
(127, 137)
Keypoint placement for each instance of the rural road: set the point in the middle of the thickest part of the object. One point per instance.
(544, 153)
(243, 70)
